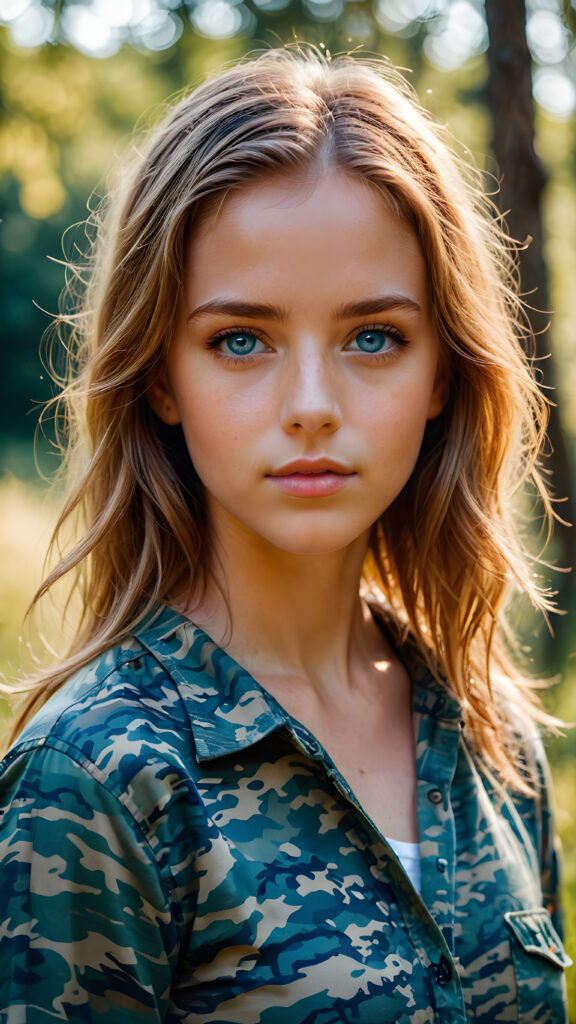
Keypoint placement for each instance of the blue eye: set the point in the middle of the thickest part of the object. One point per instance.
(241, 343)
(380, 340)
(237, 345)
(373, 340)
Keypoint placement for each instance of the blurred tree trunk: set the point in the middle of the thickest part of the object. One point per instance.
(522, 183)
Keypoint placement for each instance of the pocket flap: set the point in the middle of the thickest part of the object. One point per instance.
(536, 934)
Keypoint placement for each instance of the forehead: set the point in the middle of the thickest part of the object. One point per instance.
(296, 230)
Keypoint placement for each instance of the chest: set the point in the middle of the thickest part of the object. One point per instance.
(369, 736)
(378, 761)
(302, 913)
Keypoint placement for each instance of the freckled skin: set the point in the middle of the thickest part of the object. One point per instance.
(306, 389)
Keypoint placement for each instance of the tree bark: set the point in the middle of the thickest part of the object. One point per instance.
(522, 184)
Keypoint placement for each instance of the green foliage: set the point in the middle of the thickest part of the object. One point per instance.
(66, 117)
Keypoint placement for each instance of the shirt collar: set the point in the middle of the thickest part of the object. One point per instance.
(229, 710)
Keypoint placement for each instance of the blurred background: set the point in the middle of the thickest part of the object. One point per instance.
(78, 75)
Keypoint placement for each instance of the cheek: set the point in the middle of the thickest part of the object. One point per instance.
(399, 417)
(218, 424)
(398, 436)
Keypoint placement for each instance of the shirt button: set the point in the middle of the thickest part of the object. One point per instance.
(442, 865)
(442, 971)
(435, 796)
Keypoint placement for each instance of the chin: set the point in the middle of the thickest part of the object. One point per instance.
(316, 542)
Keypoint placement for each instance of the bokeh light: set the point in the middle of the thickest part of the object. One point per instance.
(158, 31)
(555, 93)
(88, 30)
(457, 36)
(12, 9)
(325, 10)
(32, 25)
(547, 38)
(272, 5)
(397, 15)
(218, 19)
(454, 30)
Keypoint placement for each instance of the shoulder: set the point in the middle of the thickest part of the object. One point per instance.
(117, 717)
(89, 842)
(122, 691)
(111, 752)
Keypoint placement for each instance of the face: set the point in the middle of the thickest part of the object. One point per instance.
(305, 363)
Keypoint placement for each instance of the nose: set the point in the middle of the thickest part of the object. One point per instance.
(310, 402)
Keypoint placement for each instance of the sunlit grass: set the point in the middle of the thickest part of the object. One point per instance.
(26, 522)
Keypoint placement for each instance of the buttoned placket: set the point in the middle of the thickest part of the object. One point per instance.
(429, 916)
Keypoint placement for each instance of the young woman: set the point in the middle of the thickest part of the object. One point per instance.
(286, 774)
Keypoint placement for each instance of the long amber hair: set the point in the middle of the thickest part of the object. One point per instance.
(447, 554)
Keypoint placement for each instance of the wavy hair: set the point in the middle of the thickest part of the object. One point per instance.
(447, 553)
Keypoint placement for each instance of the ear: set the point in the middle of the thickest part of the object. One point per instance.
(439, 395)
(161, 399)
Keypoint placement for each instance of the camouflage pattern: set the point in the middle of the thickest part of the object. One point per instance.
(175, 847)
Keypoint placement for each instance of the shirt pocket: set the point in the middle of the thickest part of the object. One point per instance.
(539, 962)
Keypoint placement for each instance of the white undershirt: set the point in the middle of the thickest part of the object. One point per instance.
(409, 856)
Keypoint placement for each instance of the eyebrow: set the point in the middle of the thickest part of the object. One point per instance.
(377, 304)
(238, 308)
(266, 311)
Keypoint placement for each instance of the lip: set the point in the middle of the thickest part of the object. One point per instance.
(312, 478)
(312, 467)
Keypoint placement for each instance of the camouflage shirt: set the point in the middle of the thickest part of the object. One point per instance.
(176, 847)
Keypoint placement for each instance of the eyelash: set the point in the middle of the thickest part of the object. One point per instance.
(393, 332)
(228, 332)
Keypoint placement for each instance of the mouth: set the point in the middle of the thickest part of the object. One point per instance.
(312, 467)
(306, 478)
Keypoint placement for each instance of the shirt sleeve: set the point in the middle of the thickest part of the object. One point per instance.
(86, 929)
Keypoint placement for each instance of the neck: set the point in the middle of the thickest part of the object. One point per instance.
(285, 615)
